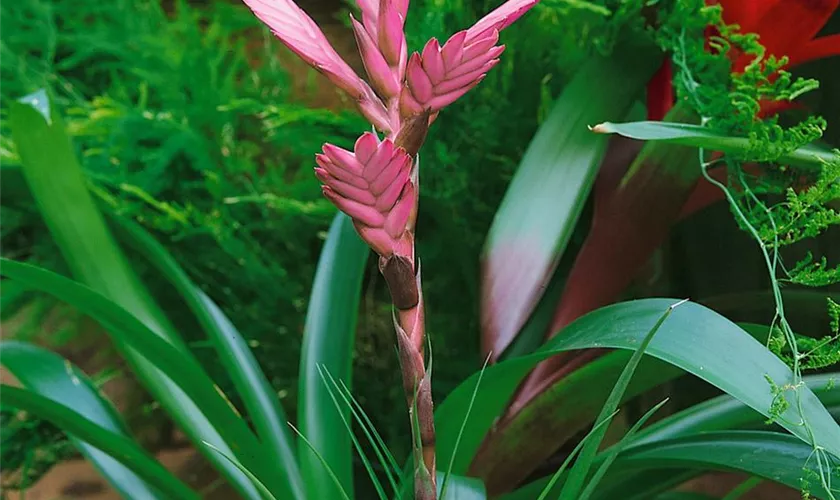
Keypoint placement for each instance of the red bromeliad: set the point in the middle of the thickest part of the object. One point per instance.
(377, 183)
(786, 28)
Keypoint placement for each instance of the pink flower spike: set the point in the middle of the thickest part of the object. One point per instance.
(501, 18)
(439, 76)
(379, 198)
(390, 31)
(377, 67)
(302, 36)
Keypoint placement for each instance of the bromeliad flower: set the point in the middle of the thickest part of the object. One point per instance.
(376, 184)
(372, 185)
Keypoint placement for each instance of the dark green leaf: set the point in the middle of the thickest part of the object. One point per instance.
(579, 472)
(328, 341)
(115, 444)
(694, 339)
(181, 370)
(260, 400)
(58, 185)
(49, 375)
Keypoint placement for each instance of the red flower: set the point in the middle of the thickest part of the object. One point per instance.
(785, 28)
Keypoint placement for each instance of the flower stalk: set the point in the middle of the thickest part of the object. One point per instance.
(377, 184)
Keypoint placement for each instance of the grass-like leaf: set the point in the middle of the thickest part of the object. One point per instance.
(329, 382)
(461, 431)
(694, 339)
(579, 472)
(610, 455)
(259, 397)
(264, 491)
(342, 493)
(562, 469)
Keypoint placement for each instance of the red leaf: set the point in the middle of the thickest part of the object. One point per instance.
(660, 92)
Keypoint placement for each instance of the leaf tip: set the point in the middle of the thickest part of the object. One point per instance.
(40, 102)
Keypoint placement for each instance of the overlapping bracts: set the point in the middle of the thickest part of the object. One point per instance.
(372, 184)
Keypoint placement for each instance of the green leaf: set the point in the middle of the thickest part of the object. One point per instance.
(694, 339)
(13, 191)
(575, 482)
(58, 185)
(264, 491)
(684, 495)
(546, 196)
(717, 414)
(727, 413)
(461, 488)
(778, 457)
(545, 491)
(702, 137)
(115, 444)
(181, 370)
(565, 410)
(328, 340)
(49, 375)
(610, 455)
(260, 400)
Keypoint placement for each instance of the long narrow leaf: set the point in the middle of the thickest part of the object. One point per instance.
(116, 445)
(58, 186)
(260, 400)
(182, 371)
(574, 453)
(695, 339)
(610, 455)
(778, 457)
(49, 375)
(578, 473)
(727, 413)
(582, 394)
(703, 137)
(546, 196)
(328, 341)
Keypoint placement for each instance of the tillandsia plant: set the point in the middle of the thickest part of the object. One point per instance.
(377, 184)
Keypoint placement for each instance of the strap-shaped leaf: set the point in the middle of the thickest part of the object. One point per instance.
(123, 450)
(259, 397)
(58, 186)
(49, 375)
(694, 338)
(777, 457)
(328, 345)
